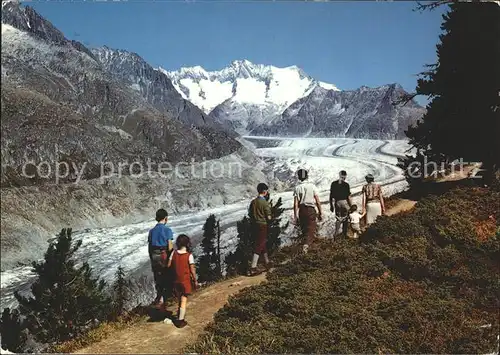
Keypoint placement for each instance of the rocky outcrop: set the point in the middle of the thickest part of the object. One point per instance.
(362, 113)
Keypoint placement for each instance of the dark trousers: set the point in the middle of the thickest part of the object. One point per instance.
(308, 225)
(342, 211)
(161, 274)
(260, 238)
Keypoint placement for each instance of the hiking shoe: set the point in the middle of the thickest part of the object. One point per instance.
(181, 323)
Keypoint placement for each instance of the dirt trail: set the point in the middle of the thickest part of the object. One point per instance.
(161, 338)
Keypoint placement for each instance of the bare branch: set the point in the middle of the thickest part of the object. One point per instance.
(404, 99)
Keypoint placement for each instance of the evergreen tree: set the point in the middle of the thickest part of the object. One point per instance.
(66, 300)
(237, 262)
(121, 289)
(13, 331)
(463, 116)
(218, 261)
(208, 263)
(274, 228)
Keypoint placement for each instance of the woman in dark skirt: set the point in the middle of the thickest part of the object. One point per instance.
(184, 273)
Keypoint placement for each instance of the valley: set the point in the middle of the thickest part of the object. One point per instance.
(107, 248)
(111, 106)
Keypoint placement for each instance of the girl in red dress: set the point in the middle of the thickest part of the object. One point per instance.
(184, 273)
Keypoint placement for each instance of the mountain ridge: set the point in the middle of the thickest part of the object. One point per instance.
(363, 113)
(259, 99)
(194, 82)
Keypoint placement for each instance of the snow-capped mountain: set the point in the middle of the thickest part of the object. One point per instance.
(244, 94)
(362, 113)
(265, 100)
(155, 87)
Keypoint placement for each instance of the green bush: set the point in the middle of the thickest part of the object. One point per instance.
(423, 281)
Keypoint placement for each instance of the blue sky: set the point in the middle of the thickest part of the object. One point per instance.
(348, 44)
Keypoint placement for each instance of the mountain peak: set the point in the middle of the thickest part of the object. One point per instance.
(244, 81)
(13, 2)
(241, 62)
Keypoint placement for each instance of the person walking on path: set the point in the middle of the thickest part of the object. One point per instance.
(373, 200)
(305, 200)
(340, 202)
(160, 245)
(183, 268)
(354, 219)
(260, 215)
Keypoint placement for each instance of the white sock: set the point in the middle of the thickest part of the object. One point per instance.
(182, 313)
(266, 258)
(255, 261)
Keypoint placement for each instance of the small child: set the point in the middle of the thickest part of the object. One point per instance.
(182, 263)
(355, 217)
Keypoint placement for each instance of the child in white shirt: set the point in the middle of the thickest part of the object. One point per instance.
(354, 218)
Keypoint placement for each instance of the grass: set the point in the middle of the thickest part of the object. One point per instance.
(423, 281)
(101, 332)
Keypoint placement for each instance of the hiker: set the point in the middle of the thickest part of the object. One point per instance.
(373, 200)
(354, 218)
(305, 201)
(160, 245)
(182, 264)
(260, 215)
(340, 202)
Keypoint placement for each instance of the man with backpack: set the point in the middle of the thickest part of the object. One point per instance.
(160, 245)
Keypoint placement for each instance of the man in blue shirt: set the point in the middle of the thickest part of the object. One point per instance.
(160, 245)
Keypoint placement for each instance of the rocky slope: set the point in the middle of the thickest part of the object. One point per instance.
(362, 113)
(32, 214)
(157, 89)
(64, 74)
(64, 106)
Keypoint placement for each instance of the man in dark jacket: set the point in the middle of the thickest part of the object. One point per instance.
(340, 202)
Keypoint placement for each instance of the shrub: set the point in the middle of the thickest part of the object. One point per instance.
(419, 282)
(13, 331)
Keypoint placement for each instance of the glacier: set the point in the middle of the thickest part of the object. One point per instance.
(107, 248)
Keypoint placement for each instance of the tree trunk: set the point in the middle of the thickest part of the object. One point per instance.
(219, 269)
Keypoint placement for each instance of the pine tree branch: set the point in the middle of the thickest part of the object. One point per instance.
(69, 283)
(404, 99)
(432, 5)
